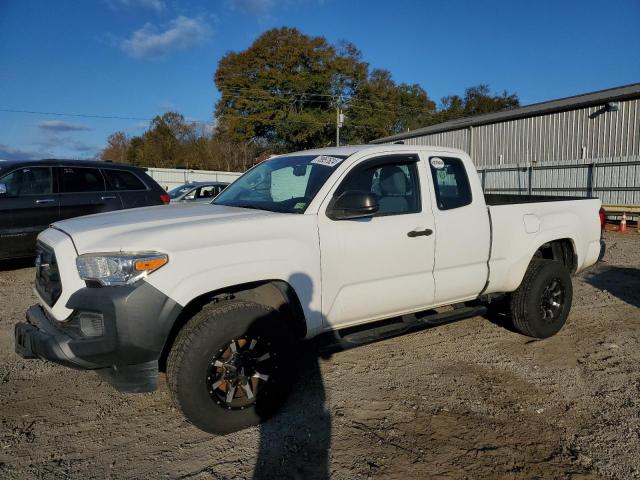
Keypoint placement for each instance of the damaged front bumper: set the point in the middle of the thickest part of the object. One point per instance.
(118, 332)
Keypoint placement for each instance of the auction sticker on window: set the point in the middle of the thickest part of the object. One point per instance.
(437, 163)
(326, 160)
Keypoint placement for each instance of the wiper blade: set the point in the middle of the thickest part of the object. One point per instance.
(253, 207)
(248, 205)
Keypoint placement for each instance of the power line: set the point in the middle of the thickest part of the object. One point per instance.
(115, 117)
(356, 104)
(82, 115)
(351, 103)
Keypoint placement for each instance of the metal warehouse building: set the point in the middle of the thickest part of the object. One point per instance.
(583, 145)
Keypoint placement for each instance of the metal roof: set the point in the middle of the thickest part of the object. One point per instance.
(563, 104)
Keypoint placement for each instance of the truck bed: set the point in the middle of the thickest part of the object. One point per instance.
(495, 199)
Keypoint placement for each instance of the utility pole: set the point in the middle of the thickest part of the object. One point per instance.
(339, 121)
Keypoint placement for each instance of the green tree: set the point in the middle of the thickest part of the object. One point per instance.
(117, 148)
(477, 100)
(164, 142)
(283, 89)
(171, 142)
(282, 93)
(381, 107)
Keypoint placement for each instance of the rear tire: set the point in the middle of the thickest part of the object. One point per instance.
(231, 366)
(541, 304)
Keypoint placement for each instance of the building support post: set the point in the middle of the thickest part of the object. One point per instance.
(590, 179)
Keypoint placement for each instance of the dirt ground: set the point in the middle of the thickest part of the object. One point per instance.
(467, 400)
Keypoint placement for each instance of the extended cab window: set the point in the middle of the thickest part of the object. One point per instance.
(395, 184)
(122, 180)
(28, 181)
(80, 179)
(451, 182)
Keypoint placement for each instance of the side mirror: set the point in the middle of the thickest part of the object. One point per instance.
(353, 204)
(3, 189)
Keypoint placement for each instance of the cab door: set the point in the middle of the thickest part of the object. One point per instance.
(463, 231)
(28, 206)
(380, 266)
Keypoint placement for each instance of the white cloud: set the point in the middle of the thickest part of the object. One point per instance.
(57, 142)
(264, 7)
(157, 5)
(61, 126)
(7, 152)
(151, 42)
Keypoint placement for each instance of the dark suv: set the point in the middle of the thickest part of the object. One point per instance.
(34, 194)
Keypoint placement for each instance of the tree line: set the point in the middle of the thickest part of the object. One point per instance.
(282, 94)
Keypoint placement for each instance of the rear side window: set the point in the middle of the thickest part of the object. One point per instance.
(451, 182)
(80, 179)
(28, 181)
(123, 180)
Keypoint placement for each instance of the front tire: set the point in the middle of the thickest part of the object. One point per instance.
(230, 366)
(541, 304)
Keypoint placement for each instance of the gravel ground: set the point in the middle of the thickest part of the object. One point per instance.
(466, 400)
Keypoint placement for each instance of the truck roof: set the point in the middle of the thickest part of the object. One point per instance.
(348, 150)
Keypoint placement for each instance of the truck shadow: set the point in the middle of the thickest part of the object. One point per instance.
(499, 314)
(16, 264)
(622, 282)
(295, 442)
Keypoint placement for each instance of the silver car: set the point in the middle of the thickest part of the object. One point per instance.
(196, 191)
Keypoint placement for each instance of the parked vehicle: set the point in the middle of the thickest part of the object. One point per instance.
(35, 194)
(197, 191)
(352, 243)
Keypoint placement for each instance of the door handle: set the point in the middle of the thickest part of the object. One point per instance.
(45, 200)
(108, 197)
(417, 233)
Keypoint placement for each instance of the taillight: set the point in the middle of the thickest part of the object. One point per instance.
(603, 217)
(165, 198)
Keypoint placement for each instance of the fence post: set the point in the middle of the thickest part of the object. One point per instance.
(590, 179)
(530, 180)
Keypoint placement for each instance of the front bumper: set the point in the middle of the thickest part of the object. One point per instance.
(41, 338)
(134, 324)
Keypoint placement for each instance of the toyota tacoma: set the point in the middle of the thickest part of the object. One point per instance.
(349, 244)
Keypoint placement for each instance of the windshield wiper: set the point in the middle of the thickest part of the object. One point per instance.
(254, 207)
(245, 205)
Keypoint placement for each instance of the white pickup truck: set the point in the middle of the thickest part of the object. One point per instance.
(359, 243)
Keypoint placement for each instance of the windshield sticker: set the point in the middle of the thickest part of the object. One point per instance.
(437, 163)
(326, 160)
(299, 206)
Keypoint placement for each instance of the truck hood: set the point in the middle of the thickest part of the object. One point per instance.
(162, 227)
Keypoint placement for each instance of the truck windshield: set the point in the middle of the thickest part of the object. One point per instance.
(284, 184)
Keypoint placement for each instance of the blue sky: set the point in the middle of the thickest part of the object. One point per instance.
(139, 58)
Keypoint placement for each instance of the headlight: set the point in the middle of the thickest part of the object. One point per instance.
(118, 268)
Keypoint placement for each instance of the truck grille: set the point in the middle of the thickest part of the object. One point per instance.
(47, 282)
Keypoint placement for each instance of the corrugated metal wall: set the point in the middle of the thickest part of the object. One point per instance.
(455, 139)
(615, 180)
(571, 139)
(173, 177)
(555, 137)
